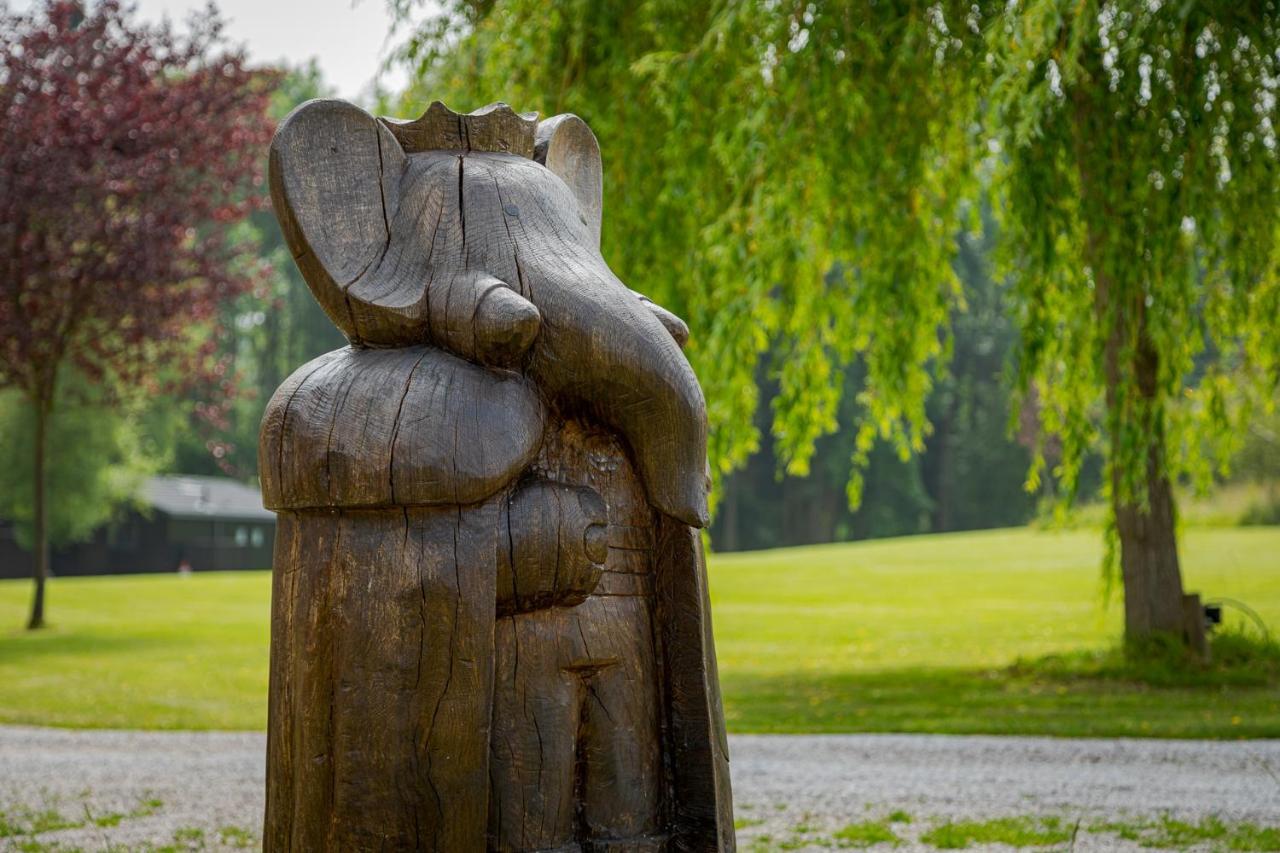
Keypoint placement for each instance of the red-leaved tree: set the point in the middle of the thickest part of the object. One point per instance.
(127, 153)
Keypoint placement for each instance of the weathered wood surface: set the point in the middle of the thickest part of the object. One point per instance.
(381, 668)
(413, 426)
(490, 626)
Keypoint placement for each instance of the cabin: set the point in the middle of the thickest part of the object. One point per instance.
(208, 523)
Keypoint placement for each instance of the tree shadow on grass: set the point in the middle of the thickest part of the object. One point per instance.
(49, 643)
(1239, 658)
(1021, 700)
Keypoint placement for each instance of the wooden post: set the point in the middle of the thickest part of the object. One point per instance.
(490, 627)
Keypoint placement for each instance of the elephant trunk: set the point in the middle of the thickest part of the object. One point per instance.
(603, 351)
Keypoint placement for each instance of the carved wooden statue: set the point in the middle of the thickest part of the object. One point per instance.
(490, 626)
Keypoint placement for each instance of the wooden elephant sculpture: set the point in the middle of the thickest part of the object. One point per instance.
(490, 626)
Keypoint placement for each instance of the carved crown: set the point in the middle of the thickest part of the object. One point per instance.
(496, 127)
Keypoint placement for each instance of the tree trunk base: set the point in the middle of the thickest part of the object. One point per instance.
(1193, 629)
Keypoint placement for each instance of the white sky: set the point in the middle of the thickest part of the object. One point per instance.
(347, 37)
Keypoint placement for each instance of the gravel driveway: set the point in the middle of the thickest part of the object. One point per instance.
(182, 790)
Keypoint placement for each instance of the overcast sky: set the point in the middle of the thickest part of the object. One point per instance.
(347, 37)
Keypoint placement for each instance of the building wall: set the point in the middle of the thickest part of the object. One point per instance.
(139, 544)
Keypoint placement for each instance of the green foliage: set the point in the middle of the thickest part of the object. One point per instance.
(1014, 831)
(99, 457)
(789, 176)
(1259, 461)
(1259, 458)
(271, 330)
(761, 181)
(1230, 504)
(1140, 193)
(969, 476)
(974, 465)
(1262, 513)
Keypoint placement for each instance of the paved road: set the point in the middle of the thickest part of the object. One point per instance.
(789, 790)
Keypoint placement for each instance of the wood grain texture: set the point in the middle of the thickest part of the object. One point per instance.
(329, 154)
(410, 426)
(554, 546)
(493, 128)
(476, 252)
(490, 624)
(567, 147)
(382, 667)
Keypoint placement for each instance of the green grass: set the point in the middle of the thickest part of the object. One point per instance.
(922, 634)
(25, 821)
(144, 651)
(236, 836)
(1241, 657)
(1014, 831)
(1168, 833)
(992, 632)
(866, 834)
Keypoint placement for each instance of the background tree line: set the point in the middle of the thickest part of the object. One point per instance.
(970, 475)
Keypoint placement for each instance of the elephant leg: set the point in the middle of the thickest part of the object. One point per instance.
(621, 749)
(378, 724)
(296, 787)
(536, 714)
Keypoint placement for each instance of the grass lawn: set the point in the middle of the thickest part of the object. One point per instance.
(917, 634)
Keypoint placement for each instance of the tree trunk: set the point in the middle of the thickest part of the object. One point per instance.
(1149, 559)
(1148, 536)
(40, 519)
(1153, 599)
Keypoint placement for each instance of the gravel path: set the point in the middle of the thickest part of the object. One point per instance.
(136, 790)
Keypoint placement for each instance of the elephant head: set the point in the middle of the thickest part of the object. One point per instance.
(480, 234)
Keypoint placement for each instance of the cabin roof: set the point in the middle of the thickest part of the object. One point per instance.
(185, 496)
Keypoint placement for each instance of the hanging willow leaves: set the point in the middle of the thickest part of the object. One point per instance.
(761, 180)
(1141, 198)
(789, 177)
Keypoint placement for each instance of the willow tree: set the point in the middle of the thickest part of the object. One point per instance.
(789, 176)
(1142, 198)
(762, 181)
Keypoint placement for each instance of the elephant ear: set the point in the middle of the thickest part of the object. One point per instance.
(334, 173)
(566, 146)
